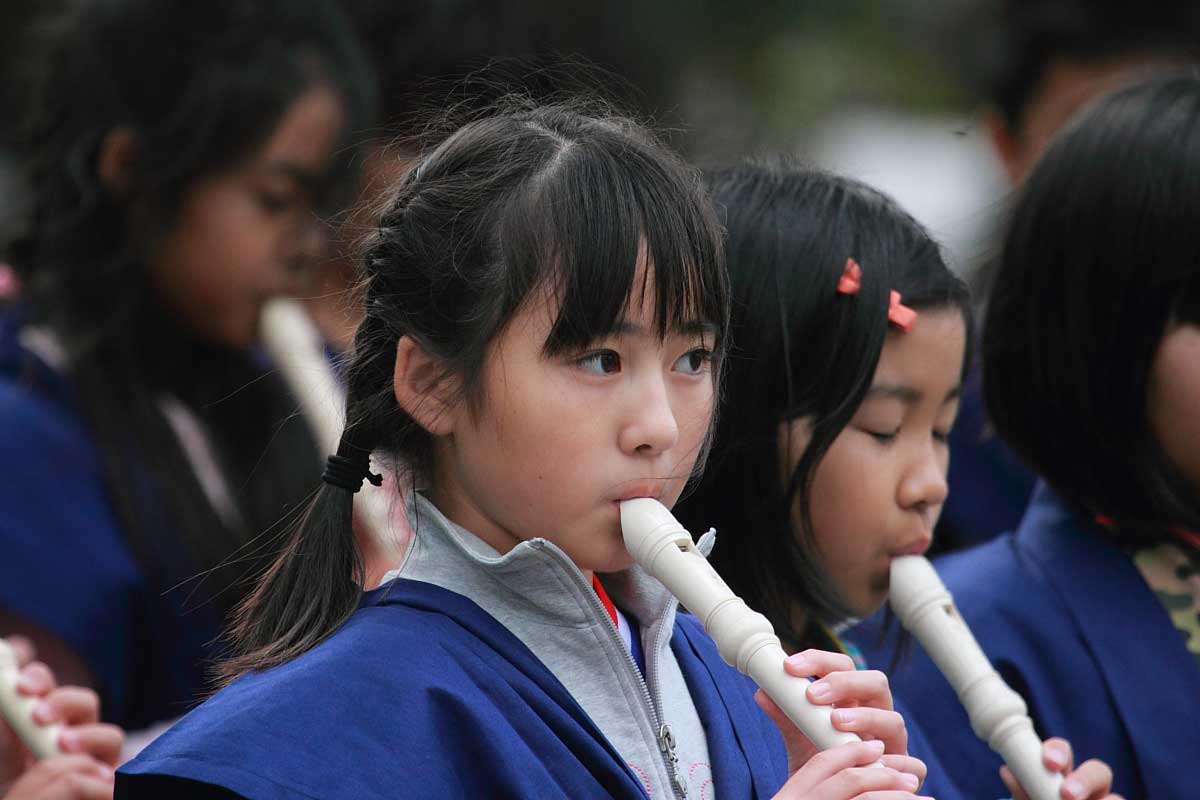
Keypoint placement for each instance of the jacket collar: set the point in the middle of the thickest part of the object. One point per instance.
(535, 579)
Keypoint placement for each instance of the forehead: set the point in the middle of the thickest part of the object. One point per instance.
(307, 133)
(639, 311)
(1068, 84)
(1178, 359)
(929, 356)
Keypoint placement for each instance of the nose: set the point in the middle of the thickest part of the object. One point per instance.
(650, 427)
(313, 241)
(306, 250)
(924, 484)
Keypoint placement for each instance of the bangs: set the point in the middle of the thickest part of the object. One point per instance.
(582, 227)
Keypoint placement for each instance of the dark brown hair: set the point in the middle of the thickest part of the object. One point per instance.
(519, 199)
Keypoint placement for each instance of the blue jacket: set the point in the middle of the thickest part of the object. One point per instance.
(421, 694)
(1068, 621)
(66, 565)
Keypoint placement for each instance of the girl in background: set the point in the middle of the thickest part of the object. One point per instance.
(546, 309)
(849, 337)
(1091, 370)
(182, 157)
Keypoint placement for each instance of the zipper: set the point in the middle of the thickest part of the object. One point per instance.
(666, 744)
(666, 740)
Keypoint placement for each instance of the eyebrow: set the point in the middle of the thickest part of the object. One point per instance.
(906, 394)
(686, 327)
(307, 179)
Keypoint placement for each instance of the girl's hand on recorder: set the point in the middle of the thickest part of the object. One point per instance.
(1091, 781)
(849, 772)
(864, 706)
(68, 777)
(862, 701)
(78, 710)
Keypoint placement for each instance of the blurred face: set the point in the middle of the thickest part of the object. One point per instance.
(1065, 87)
(558, 441)
(1174, 397)
(878, 491)
(247, 234)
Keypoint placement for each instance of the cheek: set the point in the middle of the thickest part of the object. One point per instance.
(851, 497)
(210, 266)
(541, 439)
(694, 416)
(838, 497)
(1173, 398)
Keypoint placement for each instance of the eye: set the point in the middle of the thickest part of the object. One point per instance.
(883, 437)
(274, 202)
(694, 362)
(941, 437)
(601, 362)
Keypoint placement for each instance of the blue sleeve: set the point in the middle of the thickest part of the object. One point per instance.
(939, 781)
(66, 567)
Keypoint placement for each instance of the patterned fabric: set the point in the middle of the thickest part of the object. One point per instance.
(1173, 573)
(822, 637)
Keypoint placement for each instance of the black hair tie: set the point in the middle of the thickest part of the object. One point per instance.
(349, 473)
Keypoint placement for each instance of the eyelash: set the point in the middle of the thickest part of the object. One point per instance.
(595, 357)
(703, 353)
(274, 202)
(888, 438)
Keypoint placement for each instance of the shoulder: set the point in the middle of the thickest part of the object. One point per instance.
(987, 571)
(313, 727)
(58, 525)
(1022, 580)
(36, 421)
(53, 490)
(400, 692)
(42, 434)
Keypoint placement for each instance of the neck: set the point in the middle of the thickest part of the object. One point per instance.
(799, 620)
(471, 520)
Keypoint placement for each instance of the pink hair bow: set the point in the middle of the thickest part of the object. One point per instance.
(899, 314)
(851, 280)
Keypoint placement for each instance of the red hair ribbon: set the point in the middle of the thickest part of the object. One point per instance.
(851, 280)
(1191, 538)
(1188, 537)
(900, 315)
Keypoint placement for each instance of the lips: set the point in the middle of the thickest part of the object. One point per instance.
(917, 547)
(645, 488)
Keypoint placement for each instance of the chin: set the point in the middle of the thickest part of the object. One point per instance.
(239, 337)
(875, 599)
(613, 562)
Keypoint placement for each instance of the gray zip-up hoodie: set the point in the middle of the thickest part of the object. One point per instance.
(537, 593)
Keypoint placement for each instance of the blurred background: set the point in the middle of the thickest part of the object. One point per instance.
(884, 90)
(888, 91)
(942, 104)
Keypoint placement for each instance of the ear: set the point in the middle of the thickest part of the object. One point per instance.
(116, 161)
(1007, 145)
(423, 389)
